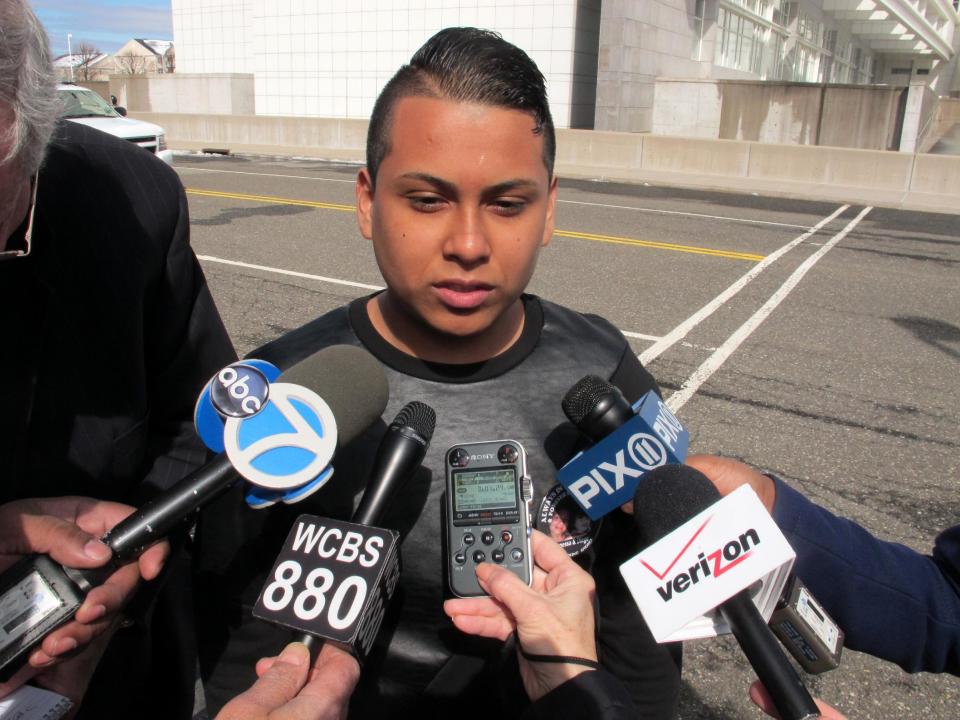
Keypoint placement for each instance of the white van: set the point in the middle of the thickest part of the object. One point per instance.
(84, 106)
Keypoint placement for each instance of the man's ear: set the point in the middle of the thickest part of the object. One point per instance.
(551, 205)
(365, 203)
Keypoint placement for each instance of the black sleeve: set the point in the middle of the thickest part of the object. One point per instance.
(593, 695)
(185, 344)
(650, 671)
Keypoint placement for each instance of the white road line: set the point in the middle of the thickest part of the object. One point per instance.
(713, 363)
(350, 283)
(275, 175)
(291, 273)
(681, 330)
(640, 336)
(681, 212)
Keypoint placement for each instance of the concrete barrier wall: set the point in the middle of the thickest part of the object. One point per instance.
(854, 116)
(872, 177)
(216, 94)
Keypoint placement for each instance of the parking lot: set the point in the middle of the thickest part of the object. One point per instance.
(819, 341)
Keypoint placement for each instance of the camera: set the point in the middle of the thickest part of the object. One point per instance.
(488, 495)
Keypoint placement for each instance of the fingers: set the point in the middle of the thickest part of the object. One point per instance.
(548, 554)
(151, 562)
(21, 677)
(761, 698)
(499, 628)
(276, 687)
(61, 539)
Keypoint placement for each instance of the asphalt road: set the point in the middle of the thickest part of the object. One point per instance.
(835, 364)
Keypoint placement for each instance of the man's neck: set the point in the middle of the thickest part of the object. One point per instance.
(411, 336)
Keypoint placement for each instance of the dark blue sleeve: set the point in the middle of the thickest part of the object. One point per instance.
(890, 601)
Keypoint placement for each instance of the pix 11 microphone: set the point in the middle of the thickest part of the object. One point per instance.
(667, 498)
(355, 565)
(628, 443)
(38, 595)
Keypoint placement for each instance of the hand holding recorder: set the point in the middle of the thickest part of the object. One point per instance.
(553, 618)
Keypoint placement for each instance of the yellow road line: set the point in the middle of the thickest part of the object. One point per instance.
(728, 254)
(270, 199)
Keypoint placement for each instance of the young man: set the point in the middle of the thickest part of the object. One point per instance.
(458, 199)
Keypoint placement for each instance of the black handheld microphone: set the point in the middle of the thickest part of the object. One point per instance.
(627, 444)
(38, 595)
(349, 380)
(399, 454)
(667, 498)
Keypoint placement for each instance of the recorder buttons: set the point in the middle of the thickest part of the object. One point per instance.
(468, 539)
(516, 554)
(479, 556)
(460, 558)
(506, 536)
(487, 537)
(498, 556)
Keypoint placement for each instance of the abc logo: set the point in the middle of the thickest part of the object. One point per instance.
(239, 391)
(285, 445)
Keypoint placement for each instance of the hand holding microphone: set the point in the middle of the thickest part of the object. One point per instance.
(67, 528)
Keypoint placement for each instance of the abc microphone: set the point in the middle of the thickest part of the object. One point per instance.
(665, 501)
(368, 578)
(629, 442)
(353, 386)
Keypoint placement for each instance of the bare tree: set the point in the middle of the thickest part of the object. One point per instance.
(130, 64)
(86, 53)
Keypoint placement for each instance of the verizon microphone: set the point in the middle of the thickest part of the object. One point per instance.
(629, 442)
(700, 546)
(359, 585)
(38, 595)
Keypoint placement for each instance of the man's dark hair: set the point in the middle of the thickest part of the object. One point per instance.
(467, 65)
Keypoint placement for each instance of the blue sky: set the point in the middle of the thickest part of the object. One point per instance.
(107, 24)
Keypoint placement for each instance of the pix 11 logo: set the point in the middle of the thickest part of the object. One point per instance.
(279, 437)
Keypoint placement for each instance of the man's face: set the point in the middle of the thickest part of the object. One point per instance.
(14, 186)
(462, 206)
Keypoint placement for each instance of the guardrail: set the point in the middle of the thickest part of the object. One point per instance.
(916, 181)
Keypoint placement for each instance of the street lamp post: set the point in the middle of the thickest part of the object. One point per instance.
(70, 54)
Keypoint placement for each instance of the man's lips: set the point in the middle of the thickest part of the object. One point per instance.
(462, 295)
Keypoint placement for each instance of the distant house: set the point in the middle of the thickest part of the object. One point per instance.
(140, 56)
(85, 67)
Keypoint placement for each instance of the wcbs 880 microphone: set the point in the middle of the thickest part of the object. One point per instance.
(629, 442)
(38, 595)
(333, 580)
(705, 552)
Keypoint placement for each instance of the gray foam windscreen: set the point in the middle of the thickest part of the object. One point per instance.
(350, 380)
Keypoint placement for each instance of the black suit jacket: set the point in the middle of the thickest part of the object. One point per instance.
(108, 334)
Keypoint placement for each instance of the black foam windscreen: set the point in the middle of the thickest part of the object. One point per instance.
(350, 380)
(419, 417)
(583, 397)
(667, 497)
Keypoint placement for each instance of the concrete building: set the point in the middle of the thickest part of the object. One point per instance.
(602, 60)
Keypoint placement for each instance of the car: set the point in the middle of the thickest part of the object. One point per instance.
(84, 106)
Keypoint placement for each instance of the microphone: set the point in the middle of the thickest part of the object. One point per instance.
(628, 444)
(38, 595)
(399, 454)
(666, 499)
(349, 380)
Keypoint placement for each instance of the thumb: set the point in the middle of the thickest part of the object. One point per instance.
(61, 539)
(282, 681)
(504, 586)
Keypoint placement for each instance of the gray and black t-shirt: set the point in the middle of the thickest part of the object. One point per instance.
(514, 395)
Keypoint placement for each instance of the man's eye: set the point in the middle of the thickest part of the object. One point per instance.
(425, 203)
(508, 208)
